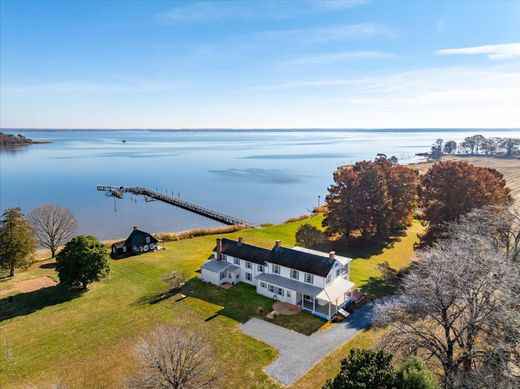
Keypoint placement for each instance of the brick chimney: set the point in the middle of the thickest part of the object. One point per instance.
(219, 249)
(278, 243)
(332, 255)
(240, 239)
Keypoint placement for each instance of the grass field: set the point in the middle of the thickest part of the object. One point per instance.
(510, 168)
(57, 336)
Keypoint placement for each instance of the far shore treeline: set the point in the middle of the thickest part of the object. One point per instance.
(477, 145)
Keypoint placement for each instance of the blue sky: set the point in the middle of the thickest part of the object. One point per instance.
(259, 64)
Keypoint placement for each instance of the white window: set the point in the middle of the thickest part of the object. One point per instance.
(248, 264)
(271, 288)
(222, 275)
(336, 264)
(338, 272)
(280, 291)
(224, 257)
(249, 277)
(237, 261)
(262, 285)
(309, 278)
(328, 279)
(261, 268)
(276, 269)
(295, 274)
(288, 293)
(147, 239)
(345, 269)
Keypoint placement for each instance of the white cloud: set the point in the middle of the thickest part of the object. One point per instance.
(326, 58)
(334, 33)
(494, 52)
(205, 11)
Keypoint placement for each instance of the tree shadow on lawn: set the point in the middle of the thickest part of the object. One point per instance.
(386, 284)
(51, 265)
(26, 303)
(358, 248)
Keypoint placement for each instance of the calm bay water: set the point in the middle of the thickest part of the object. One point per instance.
(259, 176)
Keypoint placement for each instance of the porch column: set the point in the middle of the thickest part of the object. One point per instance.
(314, 304)
(329, 307)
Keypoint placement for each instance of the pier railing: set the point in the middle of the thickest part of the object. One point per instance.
(209, 213)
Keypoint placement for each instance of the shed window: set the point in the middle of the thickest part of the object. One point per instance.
(328, 278)
(262, 285)
(338, 272)
(222, 275)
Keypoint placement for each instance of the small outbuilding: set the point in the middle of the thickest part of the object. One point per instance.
(138, 242)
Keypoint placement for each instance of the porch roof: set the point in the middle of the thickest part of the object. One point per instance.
(288, 283)
(339, 287)
(218, 266)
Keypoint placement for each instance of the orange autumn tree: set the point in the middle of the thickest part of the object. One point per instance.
(451, 189)
(371, 199)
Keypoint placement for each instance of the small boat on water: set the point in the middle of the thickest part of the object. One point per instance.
(123, 141)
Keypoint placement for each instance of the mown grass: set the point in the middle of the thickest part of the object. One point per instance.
(87, 340)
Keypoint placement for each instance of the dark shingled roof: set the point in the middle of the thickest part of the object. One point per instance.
(138, 238)
(244, 251)
(299, 260)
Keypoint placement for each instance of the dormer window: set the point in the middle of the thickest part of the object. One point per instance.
(309, 278)
(276, 269)
(294, 274)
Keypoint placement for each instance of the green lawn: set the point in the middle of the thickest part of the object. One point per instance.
(87, 340)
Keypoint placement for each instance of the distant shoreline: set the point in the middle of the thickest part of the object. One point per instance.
(266, 130)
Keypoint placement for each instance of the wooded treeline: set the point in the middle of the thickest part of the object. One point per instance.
(373, 200)
(13, 140)
(478, 145)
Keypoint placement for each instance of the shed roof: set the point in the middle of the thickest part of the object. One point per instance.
(218, 266)
(138, 238)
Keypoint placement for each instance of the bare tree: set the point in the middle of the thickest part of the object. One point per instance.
(175, 280)
(459, 307)
(499, 226)
(52, 225)
(175, 358)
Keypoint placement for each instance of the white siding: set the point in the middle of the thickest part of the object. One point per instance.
(286, 273)
(211, 277)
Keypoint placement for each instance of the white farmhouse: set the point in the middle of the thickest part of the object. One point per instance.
(318, 282)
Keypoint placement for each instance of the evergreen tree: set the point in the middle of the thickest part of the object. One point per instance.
(83, 260)
(17, 243)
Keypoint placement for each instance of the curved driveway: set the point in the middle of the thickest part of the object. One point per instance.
(297, 352)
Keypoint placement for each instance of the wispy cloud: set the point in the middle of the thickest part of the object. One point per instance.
(494, 52)
(337, 5)
(206, 11)
(328, 34)
(326, 58)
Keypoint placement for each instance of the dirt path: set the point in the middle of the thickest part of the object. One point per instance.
(29, 285)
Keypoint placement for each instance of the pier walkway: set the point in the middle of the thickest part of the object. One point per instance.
(209, 213)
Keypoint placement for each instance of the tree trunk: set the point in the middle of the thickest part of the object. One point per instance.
(11, 270)
(53, 252)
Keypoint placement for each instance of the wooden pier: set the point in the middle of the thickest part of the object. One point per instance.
(209, 213)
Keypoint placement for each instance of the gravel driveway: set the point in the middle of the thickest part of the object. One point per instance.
(299, 353)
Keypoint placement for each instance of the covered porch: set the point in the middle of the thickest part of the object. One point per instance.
(329, 301)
